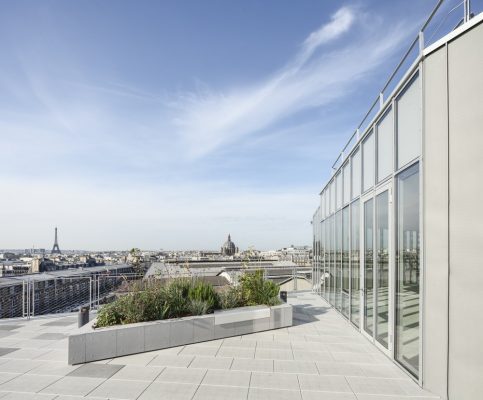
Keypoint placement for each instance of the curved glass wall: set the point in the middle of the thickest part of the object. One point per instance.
(345, 261)
(355, 263)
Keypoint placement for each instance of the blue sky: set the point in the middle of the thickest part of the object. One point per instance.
(169, 124)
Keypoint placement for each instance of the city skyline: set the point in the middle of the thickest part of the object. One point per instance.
(173, 125)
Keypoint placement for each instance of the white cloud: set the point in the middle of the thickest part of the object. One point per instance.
(207, 120)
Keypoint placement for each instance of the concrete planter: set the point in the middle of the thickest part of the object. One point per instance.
(89, 344)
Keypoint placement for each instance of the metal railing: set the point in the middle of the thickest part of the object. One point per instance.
(418, 43)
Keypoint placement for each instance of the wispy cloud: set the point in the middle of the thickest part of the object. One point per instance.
(316, 75)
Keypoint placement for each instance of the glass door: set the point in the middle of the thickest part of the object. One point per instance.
(377, 267)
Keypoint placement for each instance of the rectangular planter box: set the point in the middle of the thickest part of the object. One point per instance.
(89, 344)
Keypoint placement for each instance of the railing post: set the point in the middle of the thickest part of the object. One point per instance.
(467, 10)
(421, 43)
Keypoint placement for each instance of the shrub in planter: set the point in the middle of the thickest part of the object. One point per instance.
(198, 307)
(230, 298)
(256, 290)
(204, 292)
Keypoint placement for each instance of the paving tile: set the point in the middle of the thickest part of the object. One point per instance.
(28, 396)
(227, 378)
(171, 360)
(27, 354)
(274, 354)
(308, 395)
(61, 322)
(53, 368)
(50, 336)
(207, 392)
(199, 351)
(238, 352)
(73, 385)
(7, 376)
(119, 389)
(366, 385)
(307, 355)
(385, 397)
(212, 362)
(295, 367)
(247, 364)
(96, 370)
(28, 383)
(333, 368)
(328, 383)
(173, 391)
(270, 344)
(134, 359)
(6, 350)
(19, 366)
(182, 375)
(9, 327)
(274, 381)
(273, 394)
(138, 373)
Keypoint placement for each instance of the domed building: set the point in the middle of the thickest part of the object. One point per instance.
(229, 248)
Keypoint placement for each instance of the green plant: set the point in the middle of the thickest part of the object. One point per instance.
(109, 315)
(230, 298)
(198, 307)
(176, 297)
(202, 291)
(257, 290)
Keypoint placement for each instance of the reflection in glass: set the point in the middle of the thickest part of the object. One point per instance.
(356, 173)
(345, 261)
(382, 268)
(327, 259)
(355, 263)
(368, 162)
(368, 267)
(322, 259)
(338, 259)
(407, 270)
(332, 261)
(346, 172)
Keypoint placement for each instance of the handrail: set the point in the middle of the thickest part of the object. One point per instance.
(419, 39)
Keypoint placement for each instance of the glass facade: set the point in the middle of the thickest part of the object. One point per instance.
(367, 246)
(408, 269)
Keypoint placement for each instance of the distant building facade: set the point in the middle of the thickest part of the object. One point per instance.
(229, 248)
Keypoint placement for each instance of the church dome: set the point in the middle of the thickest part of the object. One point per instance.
(228, 248)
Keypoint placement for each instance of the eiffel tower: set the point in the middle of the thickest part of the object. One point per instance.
(55, 249)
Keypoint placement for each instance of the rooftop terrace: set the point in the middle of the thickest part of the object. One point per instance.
(321, 357)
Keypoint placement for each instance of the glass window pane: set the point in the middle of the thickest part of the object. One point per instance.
(322, 204)
(408, 270)
(332, 196)
(327, 260)
(368, 162)
(409, 121)
(332, 261)
(355, 260)
(356, 174)
(339, 190)
(345, 261)
(384, 146)
(338, 259)
(368, 266)
(347, 183)
(382, 268)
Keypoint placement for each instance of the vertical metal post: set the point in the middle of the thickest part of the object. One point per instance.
(466, 10)
(23, 298)
(33, 298)
(381, 100)
(98, 291)
(421, 43)
(90, 292)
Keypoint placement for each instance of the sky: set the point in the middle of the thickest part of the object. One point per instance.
(169, 124)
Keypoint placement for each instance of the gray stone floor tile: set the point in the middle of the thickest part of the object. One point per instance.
(27, 354)
(120, 389)
(134, 359)
(327, 383)
(181, 375)
(199, 351)
(96, 370)
(9, 327)
(138, 373)
(227, 378)
(73, 385)
(333, 368)
(171, 360)
(7, 376)
(173, 391)
(28, 396)
(19, 366)
(386, 397)
(308, 395)
(28, 383)
(50, 336)
(247, 364)
(295, 367)
(273, 394)
(53, 368)
(61, 322)
(274, 381)
(366, 385)
(6, 350)
(238, 352)
(274, 354)
(207, 392)
(212, 362)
